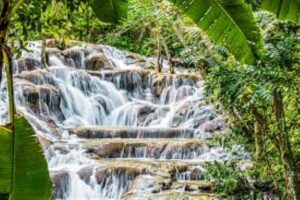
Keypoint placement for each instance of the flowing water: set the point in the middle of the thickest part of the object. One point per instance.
(111, 127)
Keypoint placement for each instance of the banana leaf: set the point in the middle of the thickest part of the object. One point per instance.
(30, 176)
(227, 22)
(110, 11)
(6, 161)
(283, 9)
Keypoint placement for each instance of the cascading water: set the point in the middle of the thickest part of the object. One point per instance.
(114, 128)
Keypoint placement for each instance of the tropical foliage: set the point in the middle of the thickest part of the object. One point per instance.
(284, 10)
(23, 172)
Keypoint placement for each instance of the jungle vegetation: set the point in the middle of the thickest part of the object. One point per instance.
(248, 52)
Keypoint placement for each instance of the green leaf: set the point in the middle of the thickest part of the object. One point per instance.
(283, 9)
(227, 22)
(21, 151)
(31, 177)
(5, 160)
(110, 11)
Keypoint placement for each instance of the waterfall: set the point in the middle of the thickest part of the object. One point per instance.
(115, 127)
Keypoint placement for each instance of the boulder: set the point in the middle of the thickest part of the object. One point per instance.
(98, 61)
(214, 125)
(74, 57)
(109, 149)
(155, 150)
(144, 112)
(158, 86)
(85, 173)
(134, 59)
(38, 77)
(54, 43)
(28, 64)
(149, 65)
(60, 182)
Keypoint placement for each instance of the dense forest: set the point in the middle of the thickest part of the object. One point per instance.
(244, 55)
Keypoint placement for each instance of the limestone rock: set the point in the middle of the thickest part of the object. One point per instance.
(109, 149)
(98, 62)
(28, 64)
(60, 182)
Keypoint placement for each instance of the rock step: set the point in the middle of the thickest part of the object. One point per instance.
(147, 148)
(176, 195)
(168, 170)
(134, 177)
(131, 132)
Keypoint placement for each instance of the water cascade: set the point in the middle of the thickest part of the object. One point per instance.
(112, 128)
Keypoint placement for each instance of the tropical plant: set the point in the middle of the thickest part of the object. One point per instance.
(262, 99)
(284, 10)
(110, 11)
(23, 172)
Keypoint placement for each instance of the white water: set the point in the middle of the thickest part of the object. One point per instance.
(71, 98)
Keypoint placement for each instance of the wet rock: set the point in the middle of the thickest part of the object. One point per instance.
(155, 150)
(31, 94)
(125, 132)
(103, 132)
(128, 170)
(98, 62)
(214, 125)
(74, 57)
(61, 149)
(101, 174)
(132, 58)
(144, 113)
(60, 182)
(205, 188)
(157, 87)
(143, 185)
(38, 77)
(35, 95)
(202, 116)
(184, 150)
(54, 43)
(54, 52)
(28, 64)
(109, 149)
(85, 173)
(149, 65)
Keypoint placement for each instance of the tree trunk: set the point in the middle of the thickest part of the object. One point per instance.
(9, 76)
(159, 53)
(289, 164)
(44, 55)
(1, 66)
(3, 30)
(169, 58)
(259, 129)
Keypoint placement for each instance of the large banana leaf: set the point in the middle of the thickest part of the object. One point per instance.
(6, 155)
(31, 180)
(110, 11)
(226, 22)
(283, 9)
